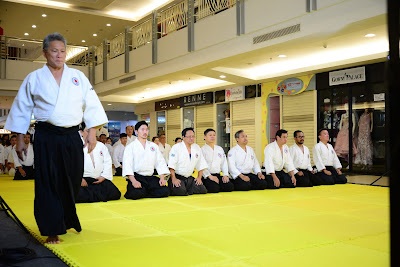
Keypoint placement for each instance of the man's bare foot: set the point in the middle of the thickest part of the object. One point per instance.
(53, 240)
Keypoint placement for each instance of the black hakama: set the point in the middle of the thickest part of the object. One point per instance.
(188, 186)
(101, 192)
(213, 187)
(150, 188)
(29, 171)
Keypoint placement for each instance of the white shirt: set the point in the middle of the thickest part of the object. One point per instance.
(102, 162)
(118, 155)
(143, 160)
(216, 160)
(130, 140)
(28, 159)
(182, 163)
(165, 151)
(7, 151)
(110, 149)
(240, 161)
(2, 154)
(300, 160)
(65, 105)
(10, 158)
(275, 160)
(325, 156)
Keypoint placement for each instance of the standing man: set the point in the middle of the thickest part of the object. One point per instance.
(118, 154)
(59, 97)
(277, 157)
(164, 147)
(141, 157)
(242, 161)
(303, 172)
(24, 167)
(326, 160)
(216, 163)
(184, 157)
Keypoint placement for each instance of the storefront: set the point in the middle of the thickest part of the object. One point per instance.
(351, 105)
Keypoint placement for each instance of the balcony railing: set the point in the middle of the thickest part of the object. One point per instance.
(173, 19)
(141, 34)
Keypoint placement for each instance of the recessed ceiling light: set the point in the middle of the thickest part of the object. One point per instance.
(26, 34)
(147, 88)
(94, 34)
(180, 81)
(369, 35)
(108, 24)
(44, 15)
(109, 104)
(222, 76)
(83, 41)
(282, 56)
(33, 26)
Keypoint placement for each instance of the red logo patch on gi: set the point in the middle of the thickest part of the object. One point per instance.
(152, 149)
(197, 155)
(101, 153)
(75, 81)
(219, 155)
(286, 151)
(230, 155)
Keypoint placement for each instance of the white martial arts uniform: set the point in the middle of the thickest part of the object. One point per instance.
(118, 155)
(300, 160)
(2, 154)
(240, 161)
(325, 156)
(182, 163)
(28, 159)
(110, 149)
(102, 162)
(275, 160)
(75, 99)
(143, 160)
(216, 160)
(130, 140)
(165, 151)
(7, 151)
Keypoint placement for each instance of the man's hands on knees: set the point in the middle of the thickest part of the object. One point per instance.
(213, 178)
(99, 180)
(21, 148)
(162, 180)
(260, 176)
(135, 183)
(244, 177)
(327, 172)
(225, 179)
(277, 183)
(84, 183)
(21, 171)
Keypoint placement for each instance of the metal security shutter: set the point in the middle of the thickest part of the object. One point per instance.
(243, 118)
(204, 120)
(299, 113)
(173, 125)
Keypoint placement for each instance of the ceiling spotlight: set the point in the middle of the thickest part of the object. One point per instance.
(369, 35)
(83, 41)
(94, 34)
(147, 88)
(26, 34)
(109, 104)
(180, 81)
(222, 76)
(282, 56)
(108, 24)
(44, 15)
(33, 26)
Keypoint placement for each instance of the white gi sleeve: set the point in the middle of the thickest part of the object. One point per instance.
(201, 163)
(19, 117)
(107, 165)
(256, 164)
(336, 161)
(224, 165)
(115, 157)
(161, 165)
(292, 151)
(127, 161)
(16, 159)
(173, 158)
(289, 166)
(317, 158)
(232, 165)
(268, 163)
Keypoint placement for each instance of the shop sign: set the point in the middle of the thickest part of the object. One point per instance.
(290, 86)
(347, 76)
(379, 97)
(4, 131)
(168, 104)
(197, 99)
(235, 93)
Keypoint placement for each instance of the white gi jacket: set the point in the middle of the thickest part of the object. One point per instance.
(110, 149)
(63, 105)
(7, 152)
(182, 163)
(274, 160)
(165, 151)
(10, 158)
(102, 162)
(240, 161)
(300, 160)
(118, 155)
(216, 160)
(143, 160)
(2, 154)
(130, 140)
(325, 156)
(28, 159)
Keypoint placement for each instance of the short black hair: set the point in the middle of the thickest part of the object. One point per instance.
(208, 130)
(176, 139)
(320, 130)
(109, 138)
(295, 133)
(237, 134)
(280, 132)
(28, 133)
(186, 130)
(140, 123)
(12, 136)
(102, 135)
(154, 138)
(123, 135)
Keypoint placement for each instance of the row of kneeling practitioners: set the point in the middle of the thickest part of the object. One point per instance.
(147, 171)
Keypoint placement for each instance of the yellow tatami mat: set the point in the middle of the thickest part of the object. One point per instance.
(340, 225)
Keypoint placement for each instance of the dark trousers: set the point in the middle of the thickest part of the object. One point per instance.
(306, 180)
(29, 170)
(284, 179)
(334, 178)
(59, 170)
(255, 183)
(118, 171)
(150, 188)
(213, 187)
(187, 187)
(101, 192)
